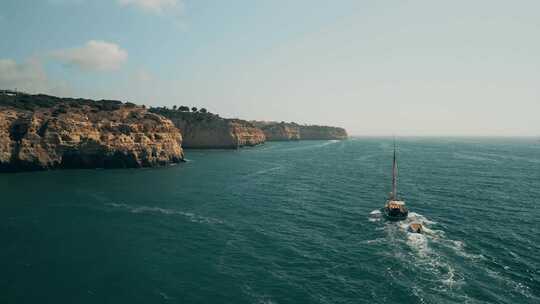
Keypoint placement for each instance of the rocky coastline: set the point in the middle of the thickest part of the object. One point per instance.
(203, 130)
(41, 132)
(283, 131)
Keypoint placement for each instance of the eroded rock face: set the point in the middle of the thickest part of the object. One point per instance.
(282, 131)
(218, 134)
(245, 134)
(209, 131)
(322, 133)
(85, 136)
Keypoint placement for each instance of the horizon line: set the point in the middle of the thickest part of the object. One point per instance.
(447, 136)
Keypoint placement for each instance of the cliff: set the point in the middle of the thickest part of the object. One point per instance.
(314, 132)
(202, 130)
(283, 131)
(40, 132)
(280, 131)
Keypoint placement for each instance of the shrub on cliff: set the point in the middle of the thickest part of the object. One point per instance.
(188, 117)
(33, 102)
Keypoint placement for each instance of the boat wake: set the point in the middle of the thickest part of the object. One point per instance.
(192, 217)
(263, 171)
(375, 216)
(313, 146)
(436, 260)
(430, 252)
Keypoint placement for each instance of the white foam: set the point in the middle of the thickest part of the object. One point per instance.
(312, 146)
(158, 210)
(450, 281)
(423, 254)
(416, 217)
(419, 243)
(375, 216)
(515, 286)
(473, 157)
(363, 158)
(263, 171)
(259, 298)
(165, 296)
(375, 241)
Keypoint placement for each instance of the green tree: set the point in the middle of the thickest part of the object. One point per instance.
(194, 109)
(203, 110)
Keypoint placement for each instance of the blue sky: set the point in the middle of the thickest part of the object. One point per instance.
(375, 67)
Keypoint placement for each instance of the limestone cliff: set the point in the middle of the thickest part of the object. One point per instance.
(313, 132)
(40, 132)
(283, 131)
(209, 131)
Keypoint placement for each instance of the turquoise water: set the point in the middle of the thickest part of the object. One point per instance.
(291, 222)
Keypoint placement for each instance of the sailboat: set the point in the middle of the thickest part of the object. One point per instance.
(395, 210)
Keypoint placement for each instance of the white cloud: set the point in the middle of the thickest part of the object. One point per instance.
(27, 76)
(94, 55)
(154, 6)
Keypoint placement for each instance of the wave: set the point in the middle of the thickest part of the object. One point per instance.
(517, 287)
(364, 157)
(437, 257)
(164, 296)
(192, 217)
(473, 157)
(418, 242)
(312, 146)
(263, 171)
(512, 157)
(424, 250)
(257, 297)
(375, 216)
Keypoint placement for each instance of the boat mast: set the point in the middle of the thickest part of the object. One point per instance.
(394, 175)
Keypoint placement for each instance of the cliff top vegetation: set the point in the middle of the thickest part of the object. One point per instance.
(194, 114)
(29, 102)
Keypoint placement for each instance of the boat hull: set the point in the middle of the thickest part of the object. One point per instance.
(394, 216)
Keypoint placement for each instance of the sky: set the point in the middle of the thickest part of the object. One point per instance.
(407, 67)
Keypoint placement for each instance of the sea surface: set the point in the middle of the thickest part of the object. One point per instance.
(287, 222)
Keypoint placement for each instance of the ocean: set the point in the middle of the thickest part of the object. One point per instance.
(285, 222)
